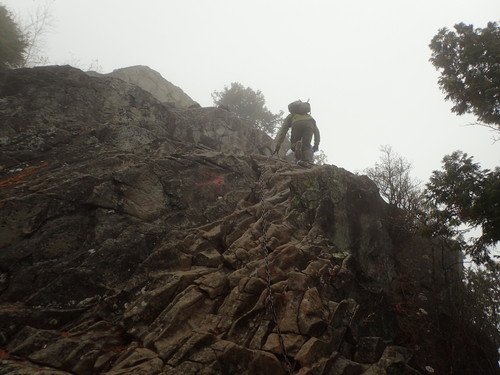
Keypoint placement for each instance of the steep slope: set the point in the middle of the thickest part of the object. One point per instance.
(152, 82)
(140, 239)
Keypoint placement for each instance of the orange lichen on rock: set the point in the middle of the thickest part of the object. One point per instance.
(4, 354)
(19, 178)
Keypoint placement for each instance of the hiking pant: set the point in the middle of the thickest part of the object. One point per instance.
(303, 130)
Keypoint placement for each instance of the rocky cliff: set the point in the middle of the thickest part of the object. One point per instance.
(136, 238)
(152, 82)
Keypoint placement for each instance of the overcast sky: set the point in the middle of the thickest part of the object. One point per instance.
(363, 64)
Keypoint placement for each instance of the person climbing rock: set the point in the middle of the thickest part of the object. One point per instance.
(303, 129)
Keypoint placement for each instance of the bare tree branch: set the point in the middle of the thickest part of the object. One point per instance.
(492, 128)
(38, 23)
(392, 176)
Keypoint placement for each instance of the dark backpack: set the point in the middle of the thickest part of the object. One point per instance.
(299, 107)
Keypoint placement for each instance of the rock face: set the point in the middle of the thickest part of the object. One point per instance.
(152, 82)
(140, 239)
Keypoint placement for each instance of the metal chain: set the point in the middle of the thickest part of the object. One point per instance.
(266, 251)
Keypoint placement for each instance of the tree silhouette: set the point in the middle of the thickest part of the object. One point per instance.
(12, 42)
(463, 193)
(249, 106)
(470, 71)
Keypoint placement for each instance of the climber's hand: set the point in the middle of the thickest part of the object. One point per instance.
(315, 149)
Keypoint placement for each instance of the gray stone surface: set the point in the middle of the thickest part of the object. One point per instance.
(152, 82)
(131, 242)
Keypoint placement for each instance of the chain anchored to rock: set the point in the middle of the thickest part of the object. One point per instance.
(266, 251)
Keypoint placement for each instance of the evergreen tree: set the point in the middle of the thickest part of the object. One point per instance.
(464, 194)
(12, 42)
(249, 106)
(470, 70)
(481, 300)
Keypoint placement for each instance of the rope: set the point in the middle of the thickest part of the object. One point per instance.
(266, 251)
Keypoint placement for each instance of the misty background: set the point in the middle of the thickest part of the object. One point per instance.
(363, 65)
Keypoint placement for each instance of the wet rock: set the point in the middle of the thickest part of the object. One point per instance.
(312, 351)
(312, 316)
(23, 368)
(140, 361)
(291, 342)
(394, 360)
(234, 359)
(369, 349)
(137, 237)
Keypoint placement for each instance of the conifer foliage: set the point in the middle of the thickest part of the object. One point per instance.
(12, 42)
(465, 194)
(468, 60)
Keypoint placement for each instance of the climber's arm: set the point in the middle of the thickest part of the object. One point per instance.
(316, 137)
(287, 123)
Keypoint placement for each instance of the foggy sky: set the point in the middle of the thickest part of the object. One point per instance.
(364, 65)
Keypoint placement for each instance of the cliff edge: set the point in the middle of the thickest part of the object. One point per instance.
(136, 238)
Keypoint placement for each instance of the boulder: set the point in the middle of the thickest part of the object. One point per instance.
(151, 81)
(140, 238)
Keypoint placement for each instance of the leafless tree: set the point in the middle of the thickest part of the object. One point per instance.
(320, 158)
(392, 176)
(35, 26)
(494, 129)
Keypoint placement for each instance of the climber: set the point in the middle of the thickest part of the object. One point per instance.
(303, 128)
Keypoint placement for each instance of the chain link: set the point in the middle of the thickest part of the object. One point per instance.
(266, 251)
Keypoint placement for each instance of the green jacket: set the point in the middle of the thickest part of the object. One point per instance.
(287, 124)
